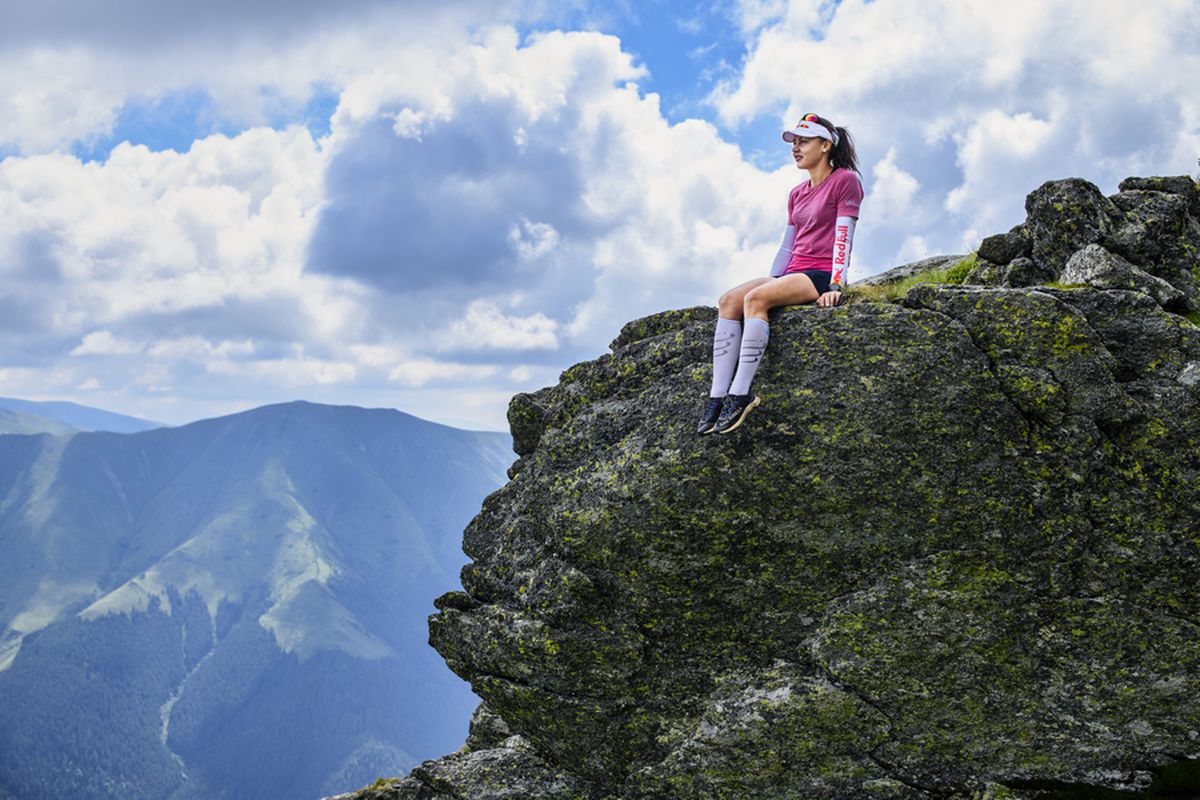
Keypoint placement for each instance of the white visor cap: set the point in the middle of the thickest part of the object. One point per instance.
(809, 129)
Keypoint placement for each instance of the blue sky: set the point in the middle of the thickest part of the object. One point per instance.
(374, 203)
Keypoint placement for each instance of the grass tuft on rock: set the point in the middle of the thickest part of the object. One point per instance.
(893, 291)
(959, 272)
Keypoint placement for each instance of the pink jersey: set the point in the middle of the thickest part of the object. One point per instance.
(814, 212)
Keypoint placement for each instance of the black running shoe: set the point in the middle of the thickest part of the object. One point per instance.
(708, 418)
(734, 412)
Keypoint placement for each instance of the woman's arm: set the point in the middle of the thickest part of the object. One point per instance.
(785, 252)
(843, 240)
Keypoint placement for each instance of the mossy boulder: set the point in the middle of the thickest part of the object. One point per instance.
(1158, 233)
(511, 771)
(952, 555)
(1018, 272)
(1095, 266)
(1152, 225)
(1002, 248)
(1065, 216)
(526, 421)
(487, 729)
(951, 551)
(1183, 185)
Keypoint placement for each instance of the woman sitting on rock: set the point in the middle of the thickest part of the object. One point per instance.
(811, 265)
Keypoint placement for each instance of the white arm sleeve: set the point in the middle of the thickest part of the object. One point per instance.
(785, 252)
(842, 240)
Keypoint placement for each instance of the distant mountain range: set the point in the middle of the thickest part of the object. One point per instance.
(234, 608)
(58, 417)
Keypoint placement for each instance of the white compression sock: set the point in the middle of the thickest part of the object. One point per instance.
(754, 343)
(726, 345)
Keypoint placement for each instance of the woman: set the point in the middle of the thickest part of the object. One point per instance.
(811, 265)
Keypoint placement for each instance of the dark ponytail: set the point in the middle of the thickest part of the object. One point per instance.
(843, 154)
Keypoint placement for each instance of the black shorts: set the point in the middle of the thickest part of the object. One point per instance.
(819, 277)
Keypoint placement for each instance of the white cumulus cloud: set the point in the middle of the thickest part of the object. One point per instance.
(892, 192)
(480, 215)
(486, 327)
(981, 101)
(104, 343)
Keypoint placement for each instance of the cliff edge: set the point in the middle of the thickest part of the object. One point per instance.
(952, 555)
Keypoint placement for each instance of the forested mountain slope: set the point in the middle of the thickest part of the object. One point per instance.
(233, 608)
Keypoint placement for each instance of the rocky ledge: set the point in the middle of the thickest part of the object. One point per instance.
(952, 555)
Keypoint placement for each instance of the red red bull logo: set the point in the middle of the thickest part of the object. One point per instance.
(839, 246)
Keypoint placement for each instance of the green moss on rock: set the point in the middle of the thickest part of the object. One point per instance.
(914, 521)
(952, 555)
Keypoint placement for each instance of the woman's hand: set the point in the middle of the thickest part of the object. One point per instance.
(829, 299)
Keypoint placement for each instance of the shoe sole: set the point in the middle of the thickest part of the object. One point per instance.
(742, 417)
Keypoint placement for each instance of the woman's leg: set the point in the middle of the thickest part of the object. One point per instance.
(727, 338)
(732, 302)
(788, 290)
(727, 346)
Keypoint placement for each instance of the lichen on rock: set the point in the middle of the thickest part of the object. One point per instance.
(952, 555)
(1095, 266)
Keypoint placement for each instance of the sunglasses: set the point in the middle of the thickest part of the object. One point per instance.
(792, 138)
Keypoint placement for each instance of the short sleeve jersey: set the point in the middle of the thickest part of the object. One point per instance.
(814, 212)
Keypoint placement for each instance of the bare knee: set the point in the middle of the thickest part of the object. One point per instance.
(755, 304)
(729, 305)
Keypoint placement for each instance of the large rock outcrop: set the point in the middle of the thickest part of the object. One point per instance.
(952, 555)
(1149, 230)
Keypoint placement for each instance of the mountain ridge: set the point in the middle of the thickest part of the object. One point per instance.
(60, 416)
(289, 548)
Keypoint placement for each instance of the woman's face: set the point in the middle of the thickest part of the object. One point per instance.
(808, 151)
